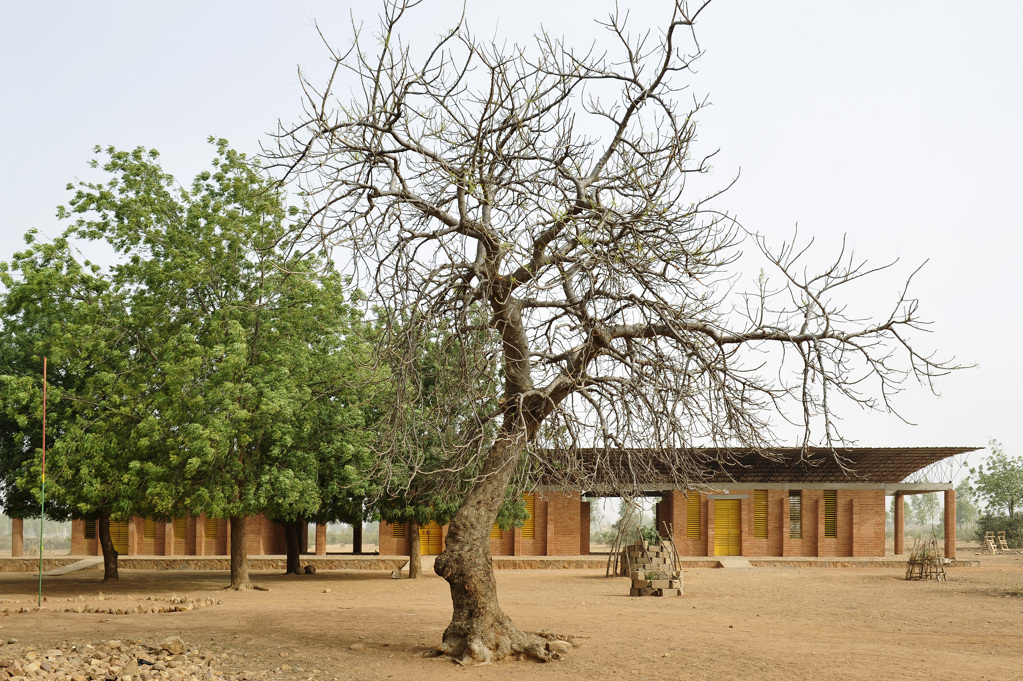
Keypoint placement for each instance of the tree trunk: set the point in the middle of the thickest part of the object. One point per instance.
(357, 536)
(292, 540)
(239, 555)
(107, 544)
(479, 630)
(415, 558)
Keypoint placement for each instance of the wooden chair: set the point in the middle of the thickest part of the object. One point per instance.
(989, 543)
(1003, 546)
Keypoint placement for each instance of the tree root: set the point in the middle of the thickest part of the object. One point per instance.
(500, 640)
(245, 586)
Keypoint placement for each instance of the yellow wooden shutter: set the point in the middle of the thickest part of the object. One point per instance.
(830, 513)
(727, 528)
(430, 542)
(150, 529)
(90, 529)
(760, 514)
(495, 531)
(180, 528)
(119, 535)
(210, 529)
(693, 516)
(529, 526)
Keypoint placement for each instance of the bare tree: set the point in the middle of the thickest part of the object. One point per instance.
(533, 202)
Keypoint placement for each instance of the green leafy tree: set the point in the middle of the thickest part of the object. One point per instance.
(999, 481)
(229, 318)
(925, 508)
(68, 311)
(336, 428)
(967, 511)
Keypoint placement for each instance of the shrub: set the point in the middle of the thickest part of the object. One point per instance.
(1013, 527)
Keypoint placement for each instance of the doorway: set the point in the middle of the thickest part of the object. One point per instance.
(727, 532)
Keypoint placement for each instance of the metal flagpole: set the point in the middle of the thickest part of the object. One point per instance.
(42, 504)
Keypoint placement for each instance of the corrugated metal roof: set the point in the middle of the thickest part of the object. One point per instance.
(817, 465)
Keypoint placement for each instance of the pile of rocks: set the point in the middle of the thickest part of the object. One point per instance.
(169, 660)
(651, 571)
(117, 606)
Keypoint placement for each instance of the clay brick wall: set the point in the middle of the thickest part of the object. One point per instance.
(262, 537)
(584, 529)
(389, 544)
(680, 512)
(772, 545)
(563, 523)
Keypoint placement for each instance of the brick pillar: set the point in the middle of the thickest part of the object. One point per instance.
(133, 536)
(227, 536)
(950, 523)
(786, 531)
(900, 523)
(17, 537)
(820, 526)
(745, 526)
(710, 527)
(200, 535)
(678, 519)
(584, 528)
(321, 539)
(168, 539)
(856, 539)
(517, 540)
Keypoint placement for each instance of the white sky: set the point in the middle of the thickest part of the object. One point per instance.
(895, 122)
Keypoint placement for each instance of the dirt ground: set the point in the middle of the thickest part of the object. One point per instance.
(764, 623)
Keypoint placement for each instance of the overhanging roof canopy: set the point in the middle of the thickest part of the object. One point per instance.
(790, 465)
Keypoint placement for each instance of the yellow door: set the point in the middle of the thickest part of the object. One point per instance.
(726, 527)
(430, 539)
(119, 535)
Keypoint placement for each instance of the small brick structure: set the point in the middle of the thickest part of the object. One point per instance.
(651, 571)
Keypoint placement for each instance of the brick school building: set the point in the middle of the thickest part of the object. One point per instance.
(785, 505)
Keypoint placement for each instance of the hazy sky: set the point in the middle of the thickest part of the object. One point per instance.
(897, 123)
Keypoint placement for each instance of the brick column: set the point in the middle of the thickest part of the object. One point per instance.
(200, 535)
(855, 540)
(820, 526)
(321, 539)
(710, 527)
(950, 523)
(227, 536)
(133, 536)
(168, 539)
(786, 531)
(584, 528)
(899, 508)
(745, 525)
(17, 537)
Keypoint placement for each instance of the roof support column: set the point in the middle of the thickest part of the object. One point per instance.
(900, 523)
(17, 537)
(950, 523)
(321, 539)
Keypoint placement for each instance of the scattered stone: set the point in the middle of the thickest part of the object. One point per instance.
(326, 591)
(559, 647)
(395, 574)
(358, 646)
(310, 569)
(173, 645)
(112, 660)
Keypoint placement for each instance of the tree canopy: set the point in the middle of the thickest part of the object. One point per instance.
(535, 202)
(218, 370)
(999, 481)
